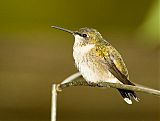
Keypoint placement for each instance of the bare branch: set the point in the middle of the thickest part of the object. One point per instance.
(77, 80)
(54, 102)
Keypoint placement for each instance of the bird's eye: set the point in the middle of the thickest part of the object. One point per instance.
(84, 35)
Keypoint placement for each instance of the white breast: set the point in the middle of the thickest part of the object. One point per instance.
(87, 68)
(79, 54)
(84, 49)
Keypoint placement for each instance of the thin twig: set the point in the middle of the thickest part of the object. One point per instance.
(54, 102)
(77, 80)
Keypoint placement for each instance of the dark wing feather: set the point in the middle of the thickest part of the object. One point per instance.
(116, 72)
(114, 62)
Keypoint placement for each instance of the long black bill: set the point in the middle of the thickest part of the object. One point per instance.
(66, 30)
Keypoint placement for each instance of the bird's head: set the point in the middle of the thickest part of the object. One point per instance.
(84, 35)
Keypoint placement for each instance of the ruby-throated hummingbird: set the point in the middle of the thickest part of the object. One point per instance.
(98, 61)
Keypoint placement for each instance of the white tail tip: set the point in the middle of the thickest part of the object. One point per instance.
(128, 101)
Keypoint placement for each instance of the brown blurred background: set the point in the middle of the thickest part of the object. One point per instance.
(33, 56)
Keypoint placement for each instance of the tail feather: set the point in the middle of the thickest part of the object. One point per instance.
(128, 95)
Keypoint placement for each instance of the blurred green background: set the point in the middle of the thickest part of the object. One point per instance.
(33, 56)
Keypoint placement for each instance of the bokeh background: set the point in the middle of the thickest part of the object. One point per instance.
(33, 56)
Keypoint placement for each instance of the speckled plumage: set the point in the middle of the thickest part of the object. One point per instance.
(98, 60)
(96, 57)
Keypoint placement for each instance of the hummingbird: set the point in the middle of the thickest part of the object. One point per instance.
(98, 61)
